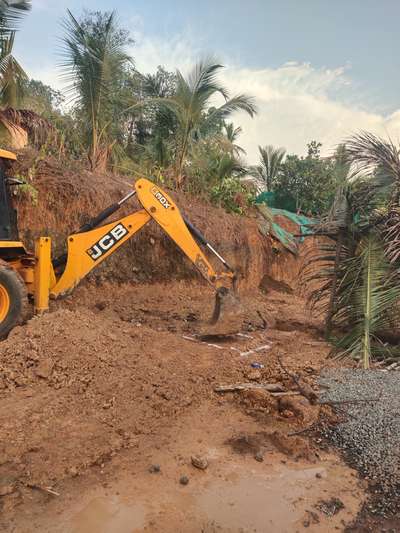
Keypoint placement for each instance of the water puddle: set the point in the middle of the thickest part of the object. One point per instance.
(230, 496)
(244, 500)
(106, 515)
(258, 503)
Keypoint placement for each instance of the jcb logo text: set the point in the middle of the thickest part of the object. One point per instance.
(109, 240)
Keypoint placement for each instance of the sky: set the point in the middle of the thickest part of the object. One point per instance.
(318, 69)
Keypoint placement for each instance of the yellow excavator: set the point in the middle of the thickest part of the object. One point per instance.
(36, 277)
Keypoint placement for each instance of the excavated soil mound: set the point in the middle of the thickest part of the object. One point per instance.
(89, 379)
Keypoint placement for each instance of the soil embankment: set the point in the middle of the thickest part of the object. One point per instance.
(67, 196)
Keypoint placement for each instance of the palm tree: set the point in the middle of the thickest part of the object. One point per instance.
(358, 271)
(231, 135)
(191, 107)
(11, 12)
(271, 159)
(12, 75)
(94, 61)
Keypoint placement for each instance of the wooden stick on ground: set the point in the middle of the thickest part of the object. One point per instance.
(270, 387)
(304, 389)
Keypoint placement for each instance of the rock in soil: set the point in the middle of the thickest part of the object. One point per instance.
(259, 456)
(183, 480)
(330, 507)
(199, 462)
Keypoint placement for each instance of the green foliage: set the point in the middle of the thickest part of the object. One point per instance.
(368, 294)
(160, 124)
(191, 108)
(309, 181)
(358, 275)
(232, 195)
(12, 75)
(94, 65)
(270, 165)
(11, 11)
(42, 99)
(27, 190)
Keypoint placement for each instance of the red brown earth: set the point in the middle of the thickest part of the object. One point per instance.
(113, 380)
(101, 380)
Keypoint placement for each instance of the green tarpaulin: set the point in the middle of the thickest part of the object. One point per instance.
(269, 213)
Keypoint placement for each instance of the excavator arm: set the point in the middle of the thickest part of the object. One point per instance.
(92, 245)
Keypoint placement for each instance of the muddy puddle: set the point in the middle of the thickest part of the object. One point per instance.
(235, 493)
(108, 514)
(279, 498)
(258, 502)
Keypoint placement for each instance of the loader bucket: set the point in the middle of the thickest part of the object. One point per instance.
(228, 315)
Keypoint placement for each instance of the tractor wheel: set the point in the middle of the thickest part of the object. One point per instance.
(13, 299)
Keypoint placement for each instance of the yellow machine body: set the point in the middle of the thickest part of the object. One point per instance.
(37, 275)
(88, 249)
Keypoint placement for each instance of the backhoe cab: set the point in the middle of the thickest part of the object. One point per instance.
(37, 277)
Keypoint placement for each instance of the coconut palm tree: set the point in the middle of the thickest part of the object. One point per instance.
(231, 135)
(12, 75)
(358, 271)
(94, 61)
(271, 159)
(191, 105)
(11, 12)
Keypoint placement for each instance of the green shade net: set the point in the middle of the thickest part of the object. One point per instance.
(278, 201)
(269, 213)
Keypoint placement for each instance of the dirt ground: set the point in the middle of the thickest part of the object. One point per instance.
(113, 380)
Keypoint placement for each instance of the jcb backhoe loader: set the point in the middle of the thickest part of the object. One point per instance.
(26, 277)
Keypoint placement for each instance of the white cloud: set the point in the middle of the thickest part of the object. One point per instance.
(296, 102)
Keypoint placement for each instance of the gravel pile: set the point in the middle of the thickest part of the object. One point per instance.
(369, 433)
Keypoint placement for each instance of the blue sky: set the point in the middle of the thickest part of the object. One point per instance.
(318, 68)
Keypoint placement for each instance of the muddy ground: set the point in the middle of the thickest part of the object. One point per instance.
(113, 381)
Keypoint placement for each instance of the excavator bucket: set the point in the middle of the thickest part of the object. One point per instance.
(228, 315)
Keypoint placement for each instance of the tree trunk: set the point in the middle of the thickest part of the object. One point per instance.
(332, 296)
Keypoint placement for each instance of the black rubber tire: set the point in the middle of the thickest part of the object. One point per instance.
(12, 282)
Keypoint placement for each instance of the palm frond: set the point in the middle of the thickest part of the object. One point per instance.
(271, 159)
(13, 76)
(202, 81)
(11, 12)
(377, 158)
(92, 59)
(39, 130)
(368, 292)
